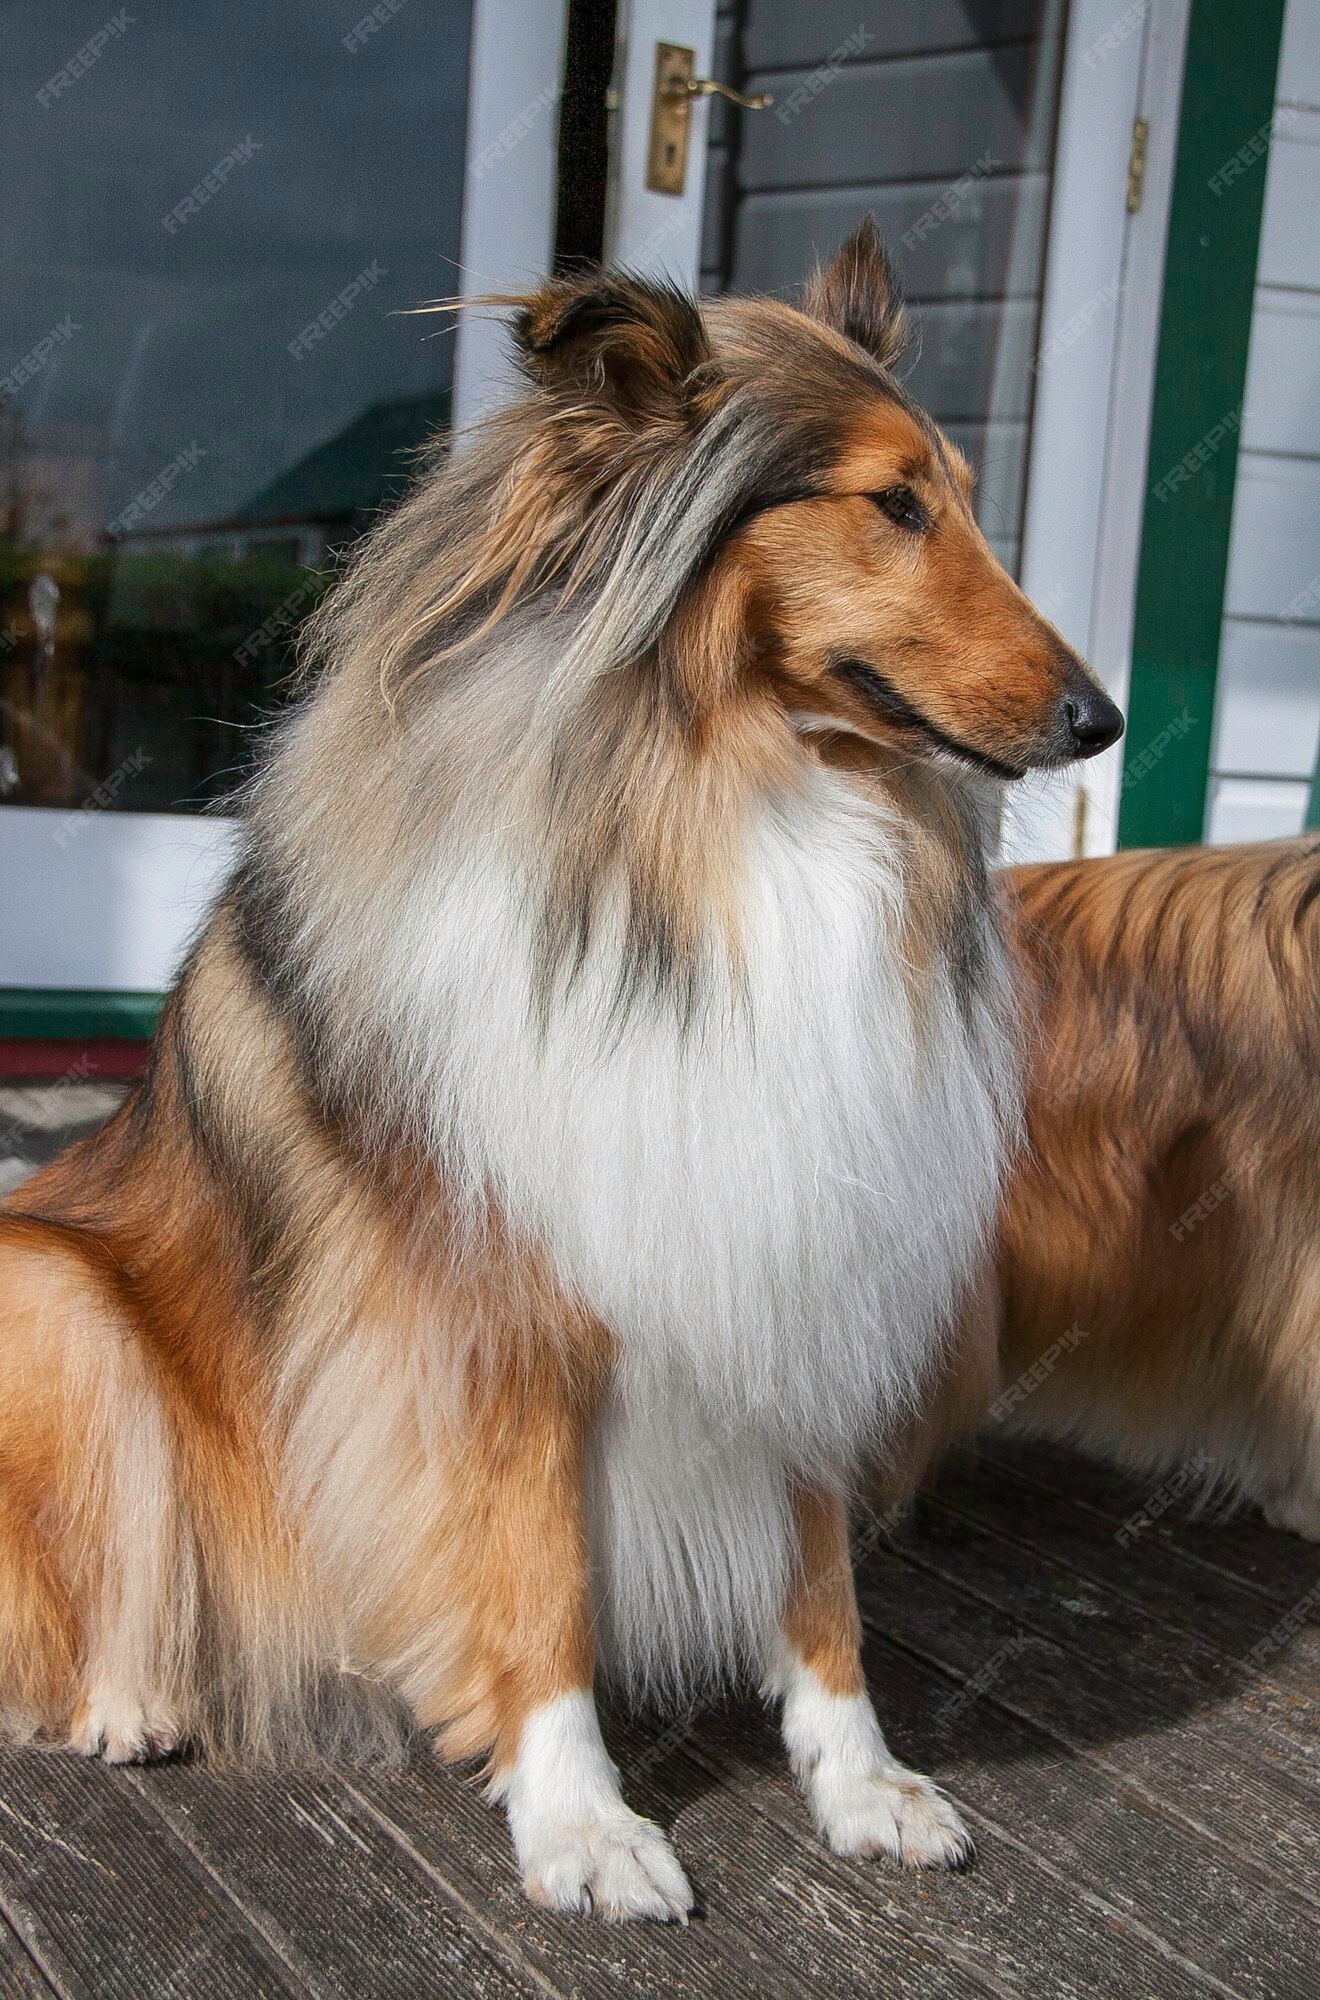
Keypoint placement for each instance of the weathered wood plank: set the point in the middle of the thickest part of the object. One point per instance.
(1279, 1566)
(1145, 1820)
(1012, 1921)
(348, 1907)
(1213, 1609)
(778, 1917)
(1246, 1796)
(1223, 1691)
(20, 1977)
(1103, 1834)
(93, 1884)
(42, 1951)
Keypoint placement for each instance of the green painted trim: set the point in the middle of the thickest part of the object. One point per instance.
(1200, 376)
(1312, 820)
(41, 1014)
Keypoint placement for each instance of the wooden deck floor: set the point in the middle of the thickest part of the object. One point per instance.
(1129, 1724)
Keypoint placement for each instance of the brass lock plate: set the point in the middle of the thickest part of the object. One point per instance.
(671, 114)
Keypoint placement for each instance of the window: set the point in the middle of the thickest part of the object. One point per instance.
(209, 379)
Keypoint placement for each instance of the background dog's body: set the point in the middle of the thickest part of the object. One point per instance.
(1159, 1251)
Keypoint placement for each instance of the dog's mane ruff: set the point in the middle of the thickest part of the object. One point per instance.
(638, 987)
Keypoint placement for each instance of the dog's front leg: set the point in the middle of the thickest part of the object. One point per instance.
(862, 1799)
(530, 1655)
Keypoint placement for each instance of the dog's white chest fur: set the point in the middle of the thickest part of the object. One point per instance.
(772, 1205)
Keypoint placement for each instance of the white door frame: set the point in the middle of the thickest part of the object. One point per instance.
(1118, 553)
(1095, 380)
(510, 188)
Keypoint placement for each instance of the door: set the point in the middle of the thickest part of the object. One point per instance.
(208, 383)
(651, 228)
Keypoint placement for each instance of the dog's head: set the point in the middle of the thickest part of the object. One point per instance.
(773, 512)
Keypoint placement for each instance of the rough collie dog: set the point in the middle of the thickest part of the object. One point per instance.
(566, 1141)
(1159, 1252)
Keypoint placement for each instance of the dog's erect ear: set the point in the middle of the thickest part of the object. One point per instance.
(856, 294)
(613, 338)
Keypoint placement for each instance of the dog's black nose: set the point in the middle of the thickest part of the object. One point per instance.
(1093, 722)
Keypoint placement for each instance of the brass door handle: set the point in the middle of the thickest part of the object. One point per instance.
(706, 86)
(673, 93)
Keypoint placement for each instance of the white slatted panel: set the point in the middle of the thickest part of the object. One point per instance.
(1282, 412)
(1267, 706)
(1267, 717)
(1253, 809)
(1299, 58)
(1274, 555)
(1289, 241)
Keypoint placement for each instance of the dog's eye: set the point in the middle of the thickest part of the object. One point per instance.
(901, 505)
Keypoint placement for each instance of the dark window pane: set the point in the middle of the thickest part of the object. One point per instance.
(216, 221)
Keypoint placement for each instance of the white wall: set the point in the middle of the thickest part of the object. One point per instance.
(1267, 705)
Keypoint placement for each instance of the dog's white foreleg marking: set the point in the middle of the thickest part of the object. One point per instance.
(861, 1798)
(578, 1845)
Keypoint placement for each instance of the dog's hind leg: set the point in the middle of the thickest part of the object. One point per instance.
(862, 1799)
(126, 1714)
(87, 1510)
(36, 1629)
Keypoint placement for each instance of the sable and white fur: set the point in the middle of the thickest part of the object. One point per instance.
(570, 1136)
(1155, 1292)
(1168, 1207)
(712, 1179)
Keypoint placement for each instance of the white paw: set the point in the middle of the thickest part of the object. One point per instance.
(862, 1799)
(888, 1810)
(123, 1731)
(579, 1846)
(617, 1868)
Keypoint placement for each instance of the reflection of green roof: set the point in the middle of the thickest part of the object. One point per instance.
(361, 468)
